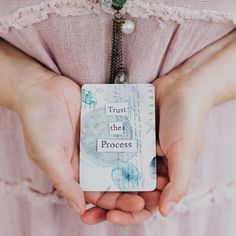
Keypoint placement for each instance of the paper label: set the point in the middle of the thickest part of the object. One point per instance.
(114, 109)
(116, 128)
(114, 145)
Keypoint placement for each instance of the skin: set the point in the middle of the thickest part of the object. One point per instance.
(184, 98)
(47, 105)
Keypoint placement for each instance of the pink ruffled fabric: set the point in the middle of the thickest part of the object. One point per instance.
(29, 15)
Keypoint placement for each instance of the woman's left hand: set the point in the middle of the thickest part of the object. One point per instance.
(182, 113)
(184, 98)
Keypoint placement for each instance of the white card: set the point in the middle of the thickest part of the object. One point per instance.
(118, 137)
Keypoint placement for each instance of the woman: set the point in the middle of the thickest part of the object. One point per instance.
(72, 40)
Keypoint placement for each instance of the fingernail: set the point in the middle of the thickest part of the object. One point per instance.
(74, 206)
(170, 206)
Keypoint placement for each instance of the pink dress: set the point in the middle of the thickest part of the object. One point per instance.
(73, 37)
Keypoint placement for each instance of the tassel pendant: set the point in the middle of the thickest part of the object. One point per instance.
(117, 73)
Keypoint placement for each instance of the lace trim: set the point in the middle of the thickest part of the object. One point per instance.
(215, 195)
(136, 8)
(24, 189)
(207, 199)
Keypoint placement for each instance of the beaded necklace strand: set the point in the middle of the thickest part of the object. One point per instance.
(118, 73)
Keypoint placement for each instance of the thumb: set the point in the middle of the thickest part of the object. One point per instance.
(61, 174)
(180, 164)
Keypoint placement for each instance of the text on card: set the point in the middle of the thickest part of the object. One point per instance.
(112, 145)
(117, 109)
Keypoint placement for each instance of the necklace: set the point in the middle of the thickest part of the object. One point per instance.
(118, 73)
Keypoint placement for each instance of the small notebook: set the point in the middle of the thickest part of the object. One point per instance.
(118, 138)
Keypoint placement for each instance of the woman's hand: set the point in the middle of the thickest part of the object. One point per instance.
(48, 106)
(184, 98)
(126, 212)
(49, 111)
(182, 112)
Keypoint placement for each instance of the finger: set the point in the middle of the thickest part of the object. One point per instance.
(162, 168)
(96, 215)
(93, 216)
(75, 156)
(162, 181)
(122, 201)
(91, 197)
(159, 150)
(151, 200)
(61, 174)
(130, 218)
(180, 173)
(75, 163)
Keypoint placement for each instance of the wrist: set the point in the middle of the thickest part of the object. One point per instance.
(201, 88)
(25, 79)
(181, 92)
(213, 70)
(26, 86)
(18, 72)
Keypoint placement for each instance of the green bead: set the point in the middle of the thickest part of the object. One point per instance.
(119, 3)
